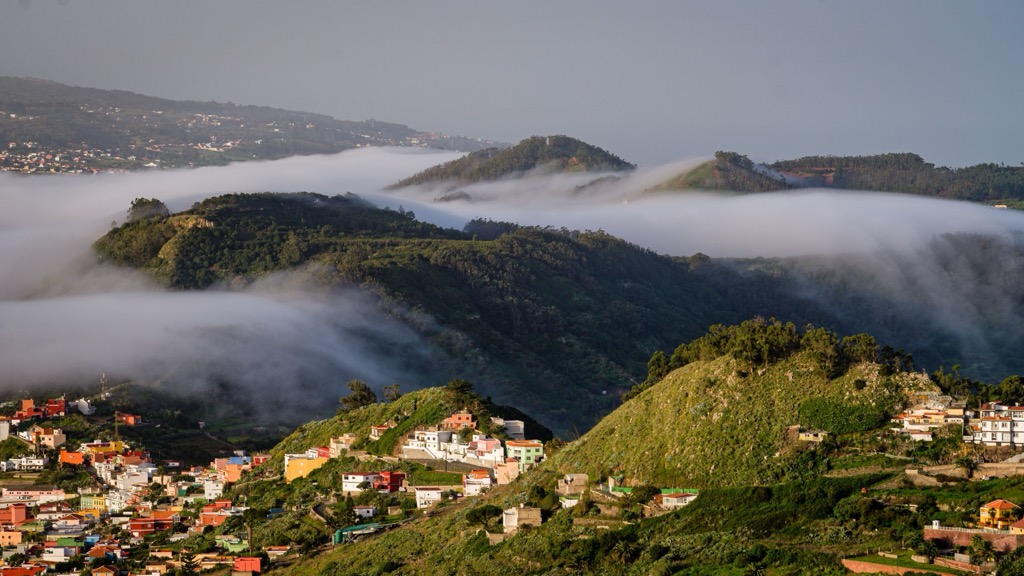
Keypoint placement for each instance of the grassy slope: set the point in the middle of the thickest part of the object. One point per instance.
(551, 153)
(702, 177)
(720, 421)
(422, 407)
(704, 425)
(719, 529)
(425, 407)
(728, 172)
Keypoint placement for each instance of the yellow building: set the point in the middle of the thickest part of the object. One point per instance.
(101, 447)
(300, 465)
(997, 514)
(90, 514)
(93, 502)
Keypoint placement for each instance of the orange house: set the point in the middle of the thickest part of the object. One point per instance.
(212, 518)
(459, 420)
(128, 419)
(75, 458)
(14, 514)
(26, 570)
(248, 564)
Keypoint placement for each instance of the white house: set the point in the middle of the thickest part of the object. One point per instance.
(350, 481)
(27, 463)
(54, 554)
(340, 444)
(84, 406)
(515, 429)
(213, 489)
(431, 441)
(476, 482)
(427, 496)
(999, 425)
(677, 500)
(118, 500)
(365, 511)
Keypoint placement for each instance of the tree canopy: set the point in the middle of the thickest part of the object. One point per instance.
(361, 395)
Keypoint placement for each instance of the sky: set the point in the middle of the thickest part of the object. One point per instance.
(651, 81)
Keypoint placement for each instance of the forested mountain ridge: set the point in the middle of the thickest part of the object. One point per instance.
(544, 153)
(92, 129)
(895, 172)
(560, 322)
(907, 173)
(556, 322)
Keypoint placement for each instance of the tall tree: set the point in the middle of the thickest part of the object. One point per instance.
(362, 395)
(392, 392)
(143, 208)
(968, 464)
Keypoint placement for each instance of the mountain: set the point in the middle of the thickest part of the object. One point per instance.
(905, 173)
(729, 171)
(721, 419)
(555, 322)
(87, 129)
(910, 174)
(546, 154)
(558, 322)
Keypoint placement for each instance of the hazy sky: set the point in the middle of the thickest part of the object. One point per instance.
(650, 81)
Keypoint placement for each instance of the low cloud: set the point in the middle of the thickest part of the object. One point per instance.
(910, 259)
(65, 319)
(724, 225)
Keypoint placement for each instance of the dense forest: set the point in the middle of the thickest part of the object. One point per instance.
(550, 153)
(576, 311)
(895, 172)
(907, 173)
(579, 311)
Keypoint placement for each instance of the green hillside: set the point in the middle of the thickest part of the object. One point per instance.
(894, 172)
(546, 153)
(559, 322)
(420, 408)
(720, 422)
(553, 321)
(727, 172)
(717, 423)
(908, 173)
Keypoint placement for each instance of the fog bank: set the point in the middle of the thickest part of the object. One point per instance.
(63, 319)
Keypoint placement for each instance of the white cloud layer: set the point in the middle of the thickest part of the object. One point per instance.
(63, 318)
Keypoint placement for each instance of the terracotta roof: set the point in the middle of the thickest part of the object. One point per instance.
(1001, 504)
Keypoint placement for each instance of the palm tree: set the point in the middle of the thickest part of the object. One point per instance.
(968, 464)
(928, 549)
(981, 550)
